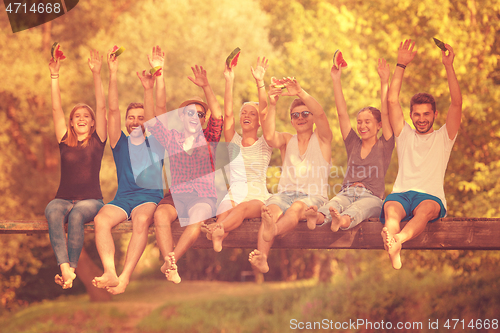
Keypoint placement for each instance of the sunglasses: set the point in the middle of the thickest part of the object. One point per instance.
(296, 115)
(191, 113)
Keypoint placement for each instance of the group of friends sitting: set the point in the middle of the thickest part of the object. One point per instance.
(181, 137)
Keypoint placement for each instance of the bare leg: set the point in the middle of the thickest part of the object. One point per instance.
(338, 220)
(142, 218)
(163, 218)
(107, 218)
(232, 220)
(258, 258)
(394, 213)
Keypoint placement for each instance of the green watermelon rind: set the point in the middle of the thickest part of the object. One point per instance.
(154, 70)
(53, 49)
(233, 54)
(119, 51)
(440, 44)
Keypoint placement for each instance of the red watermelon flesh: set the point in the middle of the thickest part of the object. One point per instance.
(232, 59)
(56, 52)
(117, 50)
(338, 60)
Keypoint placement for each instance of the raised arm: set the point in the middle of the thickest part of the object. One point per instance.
(101, 122)
(344, 122)
(158, 59)
(228, 104)
(57, 111)
(258, 74)
(454, 117)
(114, 118)
(201, 80)
(322, 126)
(384, 73)
(405, 56)
(148, 82)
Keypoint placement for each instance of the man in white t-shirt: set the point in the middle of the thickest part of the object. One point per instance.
(423, 154)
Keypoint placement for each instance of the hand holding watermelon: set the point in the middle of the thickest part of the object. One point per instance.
(448, 59)
(228, 73)
(54, 66)
(112, 61)
(95, 61)
(336, 73)
(292, 86)
(406, 53)
(274, 92)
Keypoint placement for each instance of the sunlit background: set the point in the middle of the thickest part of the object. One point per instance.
(299, 38)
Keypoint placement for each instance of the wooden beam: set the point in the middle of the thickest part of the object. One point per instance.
(446, 234)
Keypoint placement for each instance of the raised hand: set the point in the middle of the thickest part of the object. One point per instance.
(54, 66)
(260, 69)
(406, 53)
(200, 76)
(228, 73)
(147, 80)
(157, 58)
(274, 94)
(112, 61)
(95, 61)
(448, 59)
(336, 73)
(292, 86)
(383, 70)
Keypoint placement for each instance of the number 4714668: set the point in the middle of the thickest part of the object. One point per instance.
(473, 324)
(19, 8)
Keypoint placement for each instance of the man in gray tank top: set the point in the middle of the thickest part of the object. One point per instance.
(306, 165)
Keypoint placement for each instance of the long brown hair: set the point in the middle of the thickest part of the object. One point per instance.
(72, 139)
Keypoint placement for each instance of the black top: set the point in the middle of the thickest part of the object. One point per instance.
(80, 169)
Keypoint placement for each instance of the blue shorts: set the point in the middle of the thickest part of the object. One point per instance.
(410, 200)
(129, 203)
(285, 199)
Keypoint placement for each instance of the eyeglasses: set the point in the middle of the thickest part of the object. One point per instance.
(296, 115)
(191, 113)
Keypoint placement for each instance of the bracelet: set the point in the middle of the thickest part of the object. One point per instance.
(401, 65)
(262, 86)
(54, 76)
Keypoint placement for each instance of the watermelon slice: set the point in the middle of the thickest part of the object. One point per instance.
(338, 60)
(276, 83)
(232, 59)
(117, 50)
(56, 52)
(155, 71)
(440, 44)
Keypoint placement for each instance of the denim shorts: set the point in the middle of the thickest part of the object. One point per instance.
(129, 203)
(410, 200)
(285, 199)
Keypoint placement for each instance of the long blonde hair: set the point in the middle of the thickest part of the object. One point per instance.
(72, 139)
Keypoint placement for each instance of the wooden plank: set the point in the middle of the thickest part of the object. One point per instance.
(447, 233)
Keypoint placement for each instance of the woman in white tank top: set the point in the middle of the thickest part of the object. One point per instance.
(249, 156)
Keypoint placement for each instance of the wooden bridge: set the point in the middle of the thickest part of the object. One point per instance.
(449, 233)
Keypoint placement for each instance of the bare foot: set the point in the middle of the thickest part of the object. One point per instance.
(392, 245)
(338, 220)
(169, 268)
(259, 260)
(311, 214)
(218, 236)
(106, 280)
(207, 229)
(269, 231)
(68, 275)
(120, 288)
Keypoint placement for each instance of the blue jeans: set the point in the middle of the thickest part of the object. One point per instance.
(357, 202)
(285, 199)
(76, 213)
